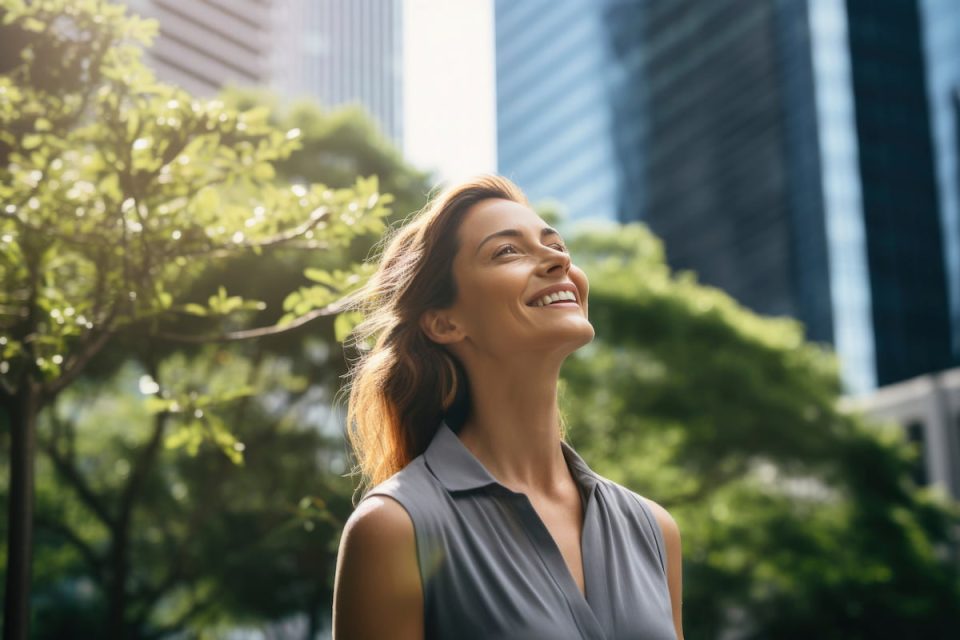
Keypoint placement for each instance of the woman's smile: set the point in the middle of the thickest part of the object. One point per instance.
(556, 294)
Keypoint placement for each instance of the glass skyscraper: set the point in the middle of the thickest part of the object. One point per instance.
(900, 201)
(736, 123)
(799, 154)
(786, 157)
(553, 115)
(342, 52)
(940, 20)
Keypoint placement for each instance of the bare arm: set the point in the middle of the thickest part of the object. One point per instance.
(377, 591)
(671, 537)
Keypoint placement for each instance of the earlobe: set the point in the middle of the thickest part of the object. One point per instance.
(439, 327)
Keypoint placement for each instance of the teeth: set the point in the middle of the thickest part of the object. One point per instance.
(553, 297)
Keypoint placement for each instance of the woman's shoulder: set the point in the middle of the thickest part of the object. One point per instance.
(384, 519)
(651, 515)
(629, 498)
(379, 520)
(377, 572)
(414, 490)
(667, 524)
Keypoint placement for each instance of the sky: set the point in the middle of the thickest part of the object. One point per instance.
(449, 102)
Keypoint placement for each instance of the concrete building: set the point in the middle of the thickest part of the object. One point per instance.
(337, 52)
(204, 45)
(928, 409)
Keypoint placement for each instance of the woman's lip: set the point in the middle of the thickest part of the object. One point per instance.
(565, 303)
(557, 288)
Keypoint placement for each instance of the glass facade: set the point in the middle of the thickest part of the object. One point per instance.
(341, 52)
(782, 150)
(941, 27)
(901, 211)
(799, 154)
(554, 136)
(729, 167)
(707, 149)
(840, 190)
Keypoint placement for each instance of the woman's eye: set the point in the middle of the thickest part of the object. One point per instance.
(560, 246)
(503, 250)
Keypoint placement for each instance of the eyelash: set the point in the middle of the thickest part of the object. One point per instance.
(500, 251)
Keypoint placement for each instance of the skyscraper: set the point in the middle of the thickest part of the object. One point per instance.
(335, 51)
(783, 152)
(900, 201)
(343, 52)
(940, 20)
(553, 116)
(799, 154)
(204, 45)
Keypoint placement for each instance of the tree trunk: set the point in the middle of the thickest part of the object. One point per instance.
(118, 574)
(22, 410)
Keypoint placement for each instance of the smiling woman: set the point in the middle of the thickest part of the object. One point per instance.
(479, 520)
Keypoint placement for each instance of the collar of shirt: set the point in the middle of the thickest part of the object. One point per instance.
(458, 469)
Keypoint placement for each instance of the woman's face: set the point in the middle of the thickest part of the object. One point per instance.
(508, 260)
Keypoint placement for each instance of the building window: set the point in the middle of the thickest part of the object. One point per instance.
(916, 436)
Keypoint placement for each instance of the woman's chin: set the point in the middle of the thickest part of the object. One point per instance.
(578, 336)
(587, 335)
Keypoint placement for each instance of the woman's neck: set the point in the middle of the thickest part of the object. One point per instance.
(514, 428)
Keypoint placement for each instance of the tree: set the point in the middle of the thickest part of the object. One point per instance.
(211, 543)
(117, 191)
(199, 531)
(337, 145)
(798, 520)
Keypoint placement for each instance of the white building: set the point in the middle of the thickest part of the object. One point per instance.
(928, 409)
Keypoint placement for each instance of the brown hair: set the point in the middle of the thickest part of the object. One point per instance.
(402, 384)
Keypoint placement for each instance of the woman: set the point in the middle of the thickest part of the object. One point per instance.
(482, 522)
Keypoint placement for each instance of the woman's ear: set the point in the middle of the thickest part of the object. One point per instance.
(440, 327)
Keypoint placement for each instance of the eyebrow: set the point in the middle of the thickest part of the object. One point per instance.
(515, 233)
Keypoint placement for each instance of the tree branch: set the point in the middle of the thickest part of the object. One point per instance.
(68, 471)
(282, 238)
(89, 555)
(142, 467)
(77, 361)
(248, 334)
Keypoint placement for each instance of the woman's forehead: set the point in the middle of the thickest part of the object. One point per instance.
(494, 215)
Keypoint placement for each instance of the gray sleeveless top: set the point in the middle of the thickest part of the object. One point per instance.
(490, 568)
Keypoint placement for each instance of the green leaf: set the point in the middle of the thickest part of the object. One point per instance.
(207, 200)
(321, 276)
(264, 171)
(32, 141)
(33, 24)
(345, 323)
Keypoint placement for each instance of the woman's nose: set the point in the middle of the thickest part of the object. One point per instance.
(556, 259)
